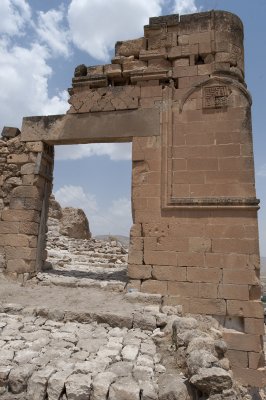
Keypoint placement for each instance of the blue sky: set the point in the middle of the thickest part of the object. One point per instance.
(41, 42)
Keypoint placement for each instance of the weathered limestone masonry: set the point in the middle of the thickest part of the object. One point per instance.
(25, 186)
(179, 95)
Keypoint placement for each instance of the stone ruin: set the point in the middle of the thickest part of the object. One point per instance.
(179, 95)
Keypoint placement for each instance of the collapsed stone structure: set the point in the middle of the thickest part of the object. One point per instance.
(179, 96)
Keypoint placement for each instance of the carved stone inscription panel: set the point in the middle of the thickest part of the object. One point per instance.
(215, 96)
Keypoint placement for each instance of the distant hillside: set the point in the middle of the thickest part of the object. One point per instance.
(263, 266)
(124, 240)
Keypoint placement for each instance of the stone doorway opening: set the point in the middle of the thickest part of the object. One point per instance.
(89, 217)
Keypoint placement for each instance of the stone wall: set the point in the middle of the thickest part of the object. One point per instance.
(179, 95)
(25, 178)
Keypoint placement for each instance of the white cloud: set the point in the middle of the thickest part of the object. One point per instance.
(262, 171)
(53, 32)
(115, 219)
(97, 24)
(74, 196)
(116, 151)
(14, 15)
(184, 7)
(24, 74)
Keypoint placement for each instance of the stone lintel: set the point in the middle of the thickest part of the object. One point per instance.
(114, 126)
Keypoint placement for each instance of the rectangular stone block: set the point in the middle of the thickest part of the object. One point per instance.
(200, 244)
(160, 257)
(153, 286)
(18, 158)
(16, 239)
(238, 358)
(28, 169)
(139, 271)
(190, 259)
(242, 341)
(250, 377)
(35, 147)
(166, 243)
(136, 244)
(29, 228)
(135, 257)
(135, 230)
(20, 266)
(20, 215)
(180, 72)
(183, 289)
(242, 246)
(254, 325)
(17, 253)
(240, 276)
(196, 274)
(208, 290)
(27, 191)
(9, 227)
(256, 360)
(169, 273)
(250, 309)
(233, 292)
(202, 164)
(207, 306)
(151, 91)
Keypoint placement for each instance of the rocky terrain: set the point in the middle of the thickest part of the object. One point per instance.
(64, 338)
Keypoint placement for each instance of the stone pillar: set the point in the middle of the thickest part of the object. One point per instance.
(25, 170)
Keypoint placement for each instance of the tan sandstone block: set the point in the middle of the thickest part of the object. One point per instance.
(254, 325)
(18, 158)
(255, 292)
(133, 285)
(26, 191)
(202, 164)
(238, 358)
(242, 341)
(28, 169)
(200, 244)
(29, 228)
(151, 91)
(207, 306)
(240, 276)
(17, 240)
(20, 266)
(136, 244)
(190, 259)
(9, 227)
(208, 290)
(233, 292)
(139, 271)
(242, 246)
(251, 309)
(256, 360)
(35, 146)
(153, 286)
(16, 253)
(181, 72)
(250, 377)
(195, 274)
(135, 257)
(160, 257)
(20, 215)
(135, 230)
(167, 243)
(183, 289)
(169, 273)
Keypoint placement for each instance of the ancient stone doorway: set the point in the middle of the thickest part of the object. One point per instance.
(78, 251)
(180, 96)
